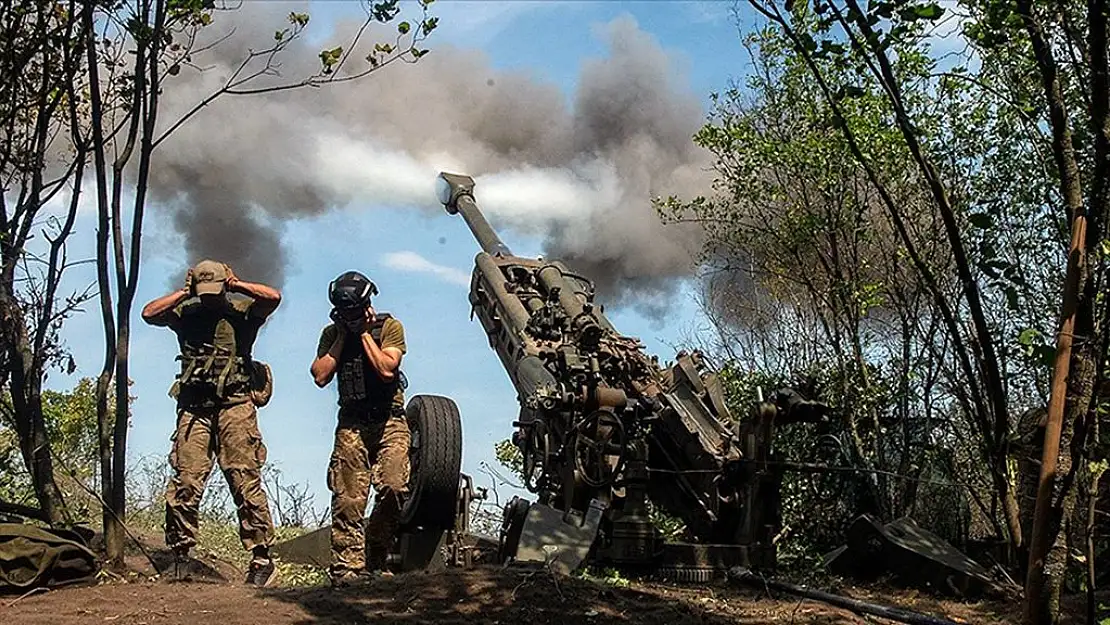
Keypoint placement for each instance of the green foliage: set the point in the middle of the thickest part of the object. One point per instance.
(70, 419)
(824, 271)
(14, 486)
(71, 422)
(670, 527)
(386, 10)
(328, 58)
(509, 456)
(607, 576)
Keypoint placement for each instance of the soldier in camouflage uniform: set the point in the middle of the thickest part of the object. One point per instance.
(216, 318)
(363, 349)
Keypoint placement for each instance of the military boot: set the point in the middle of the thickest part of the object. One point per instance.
(180, 563)
(262, 569)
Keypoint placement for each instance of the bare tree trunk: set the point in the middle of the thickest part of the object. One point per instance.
(113, 534)
(1089, 548)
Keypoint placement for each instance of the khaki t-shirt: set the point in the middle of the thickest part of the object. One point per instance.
(393, 335)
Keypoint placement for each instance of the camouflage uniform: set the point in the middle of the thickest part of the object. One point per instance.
(217, 418)
(231, 434)
(371, 449)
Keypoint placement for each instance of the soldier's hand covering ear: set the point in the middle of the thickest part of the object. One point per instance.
(189, 281)
(231, 278)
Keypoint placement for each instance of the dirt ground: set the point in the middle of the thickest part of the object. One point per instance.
(486, 595)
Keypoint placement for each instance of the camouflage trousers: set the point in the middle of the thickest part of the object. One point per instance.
(367, 454)
(230, 435)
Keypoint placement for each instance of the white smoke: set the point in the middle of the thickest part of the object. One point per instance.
(581, 178)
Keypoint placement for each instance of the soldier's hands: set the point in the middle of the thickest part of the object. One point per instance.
(231, 280)
(189, 281)
(340, 333)
(347, 325)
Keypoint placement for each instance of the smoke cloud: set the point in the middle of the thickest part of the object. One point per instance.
(579, 176)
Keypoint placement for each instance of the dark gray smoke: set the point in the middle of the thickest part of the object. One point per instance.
(582, 177)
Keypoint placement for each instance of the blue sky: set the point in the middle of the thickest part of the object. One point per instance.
(448, 353)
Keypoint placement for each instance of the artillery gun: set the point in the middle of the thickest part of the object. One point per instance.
(605, 432)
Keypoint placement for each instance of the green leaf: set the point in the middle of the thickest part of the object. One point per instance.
(385, 11)
(929, 11)
(403, 28)
(328, 58)
(921, 12)
(1027, 336)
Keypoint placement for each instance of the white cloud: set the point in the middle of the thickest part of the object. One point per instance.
(413, 262)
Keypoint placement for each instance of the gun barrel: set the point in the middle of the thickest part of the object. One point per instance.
(456, 193)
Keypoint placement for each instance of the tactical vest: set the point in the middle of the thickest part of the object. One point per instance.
(360, 388)
(216, 364)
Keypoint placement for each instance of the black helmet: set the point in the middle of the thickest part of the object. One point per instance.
(351, 290)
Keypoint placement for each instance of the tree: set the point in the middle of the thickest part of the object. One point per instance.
(855, 52)
(1078, 148)
(132, 50)
(42, 157)
(797, 227)
(827, 211)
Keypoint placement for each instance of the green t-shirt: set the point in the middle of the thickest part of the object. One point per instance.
(392, 335)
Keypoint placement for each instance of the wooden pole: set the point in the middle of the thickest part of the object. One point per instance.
(1039, 543)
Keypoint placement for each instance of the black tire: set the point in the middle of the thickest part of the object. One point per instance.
(435, 457)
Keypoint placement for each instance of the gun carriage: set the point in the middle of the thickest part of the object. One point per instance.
(606, 432)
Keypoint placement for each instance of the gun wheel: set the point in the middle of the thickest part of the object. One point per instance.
(435, 462)
(600, 443)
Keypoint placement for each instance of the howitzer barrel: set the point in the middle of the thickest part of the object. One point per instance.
(456, 193)
(516, 312)
(552, 278)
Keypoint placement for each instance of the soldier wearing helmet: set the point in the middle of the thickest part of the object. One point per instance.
(363, 348)
(216, 317)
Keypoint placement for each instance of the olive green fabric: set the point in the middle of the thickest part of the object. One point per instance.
(215, 344)
(262, 383)
(392, 335)
(31, 557)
